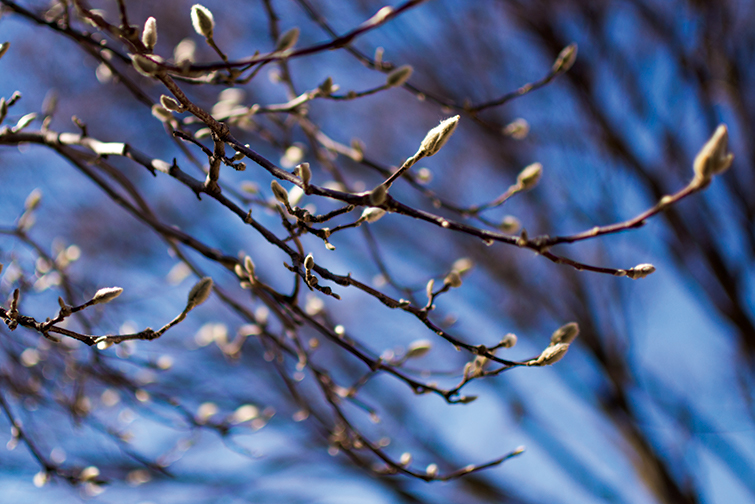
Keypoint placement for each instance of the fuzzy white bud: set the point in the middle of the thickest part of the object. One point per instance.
(438, 136)
(199, 293)
(279, 192)
(149, 35)
(287, 40)
(565, 59)
(202, 20)
(169, 103)
(714, 157)
(305, 173)
(640, 271)
(418, 348)
(372, 214)
(106, 294)
(565, 334)
(530, 176)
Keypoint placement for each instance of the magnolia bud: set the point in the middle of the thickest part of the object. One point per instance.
(565, 59)
(170, 104)
(199, 293)
(453, 279)
(107, 294)
(378, 195)
(372, 214)
(529, 177)
(438, 136)
(309, 262)
(418, 349)
(399, 76)
(565, 334)
(287, 40)
(640, 271)
(714, 157)
(279, 192)
(149, 35)
(305, 173)
(202, 20)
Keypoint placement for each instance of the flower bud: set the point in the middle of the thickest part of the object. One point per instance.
(438, 136)
(287, 40)
(144, 65)
(529, 177)
(309, 262)
(418, 349)
(202, 20)
(305, 173)
(453, 279)
(106, 294)
(4, 48)
(565, 59)
(640, 271)
(199, 293)
(565, 334)
(149, 35)
(169, 103)
(399, 76)
(551, 355)
(372, 214)
(378, 195)
(713, 158)
(279, 192)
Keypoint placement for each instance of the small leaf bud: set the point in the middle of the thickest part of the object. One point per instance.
(418, 348)
(529, 177)
(399, 76)
(406, 459)
(438, 136)
(517, 129)
(202, 20)
(510, 224)
(279, 192)
(565, 59)
(429, 288)
(287, 40)
(199, 293)
(33, 199)
(106, 294)
(149, 35)
(432, 470)
(565, 334)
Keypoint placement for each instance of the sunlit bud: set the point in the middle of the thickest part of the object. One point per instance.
(309, 262)
(162, 114)
(517, 129)
(380, 15)
(432, 470)
(453, 279)
(406, 459)
(144, 65)
(170, 104)
(32, 200)
(467, 399)
(287, 40)
(462, 265)
(399, 76)
(305, 173)
(510, 224)
(528, 178)
(249, 266)
(41, 479)
(202, 20)
(429, 288)
(438, 136)
(378, 195)
(199, 293)
(279, 192)
(565, 59)
(239, 270)
(714, 157)
(508, 341)
(418, 349)
(640, 271)
(372, 214)
(550, 355)
(89, 473)
(107, 294)
(149, 35)
(24, 121)
(565, 334)
(4, 48)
